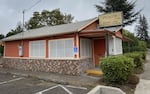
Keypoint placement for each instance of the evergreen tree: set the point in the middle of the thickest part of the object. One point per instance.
(129, 15)
(142, 29)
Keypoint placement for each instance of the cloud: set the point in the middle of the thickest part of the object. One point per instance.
(11, 10)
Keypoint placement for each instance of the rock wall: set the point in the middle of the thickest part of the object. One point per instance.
(70, 67)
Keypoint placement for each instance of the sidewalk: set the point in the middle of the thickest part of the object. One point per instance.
(144, 85)
(56, 78)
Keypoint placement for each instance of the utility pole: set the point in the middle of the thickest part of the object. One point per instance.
(21, 51)
(25, 10)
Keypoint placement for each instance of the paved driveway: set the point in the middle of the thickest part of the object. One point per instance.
(12, 84)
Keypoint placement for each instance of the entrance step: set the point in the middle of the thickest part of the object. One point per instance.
(93, 72)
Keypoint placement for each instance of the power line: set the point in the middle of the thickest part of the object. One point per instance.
(23, 12)
(22, 34)
(32, 6)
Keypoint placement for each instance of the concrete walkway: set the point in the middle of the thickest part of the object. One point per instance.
(144, 85)
(83, 80)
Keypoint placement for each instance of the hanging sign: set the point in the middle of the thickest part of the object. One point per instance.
(110, 19)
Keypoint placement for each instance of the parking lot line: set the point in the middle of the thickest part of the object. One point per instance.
(11, 80)
(46, 90)
(76, 87)
(69, 92)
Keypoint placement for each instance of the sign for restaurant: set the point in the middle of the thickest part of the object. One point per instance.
(110, 19)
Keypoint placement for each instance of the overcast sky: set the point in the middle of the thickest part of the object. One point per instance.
(11, 10)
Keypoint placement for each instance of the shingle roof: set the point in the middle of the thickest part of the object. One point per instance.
(51, 30)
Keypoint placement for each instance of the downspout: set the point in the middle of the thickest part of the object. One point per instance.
(107, 44)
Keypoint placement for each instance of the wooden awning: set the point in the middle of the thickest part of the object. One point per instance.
(95, 33)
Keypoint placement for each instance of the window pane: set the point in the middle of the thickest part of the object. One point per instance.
(37, 48)
(69, 48)
(52, 49)
(61, 48)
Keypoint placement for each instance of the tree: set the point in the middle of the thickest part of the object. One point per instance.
(18, 29)
(1, 46)
(142, 29)
(129, 15)
(134, 44)
(34, 22)
(48, 18)
(1, 36)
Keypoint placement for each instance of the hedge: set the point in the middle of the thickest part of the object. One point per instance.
(117, 69)
(137, 57)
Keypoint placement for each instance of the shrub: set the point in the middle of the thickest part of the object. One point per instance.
(137, 57)
(143, 55)
(117, 69)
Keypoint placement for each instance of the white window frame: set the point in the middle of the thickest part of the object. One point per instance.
(56, 40)
(38, 55)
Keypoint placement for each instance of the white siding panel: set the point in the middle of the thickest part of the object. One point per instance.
(85, 48)
(118, 46)
(111, 45)
(115, 46)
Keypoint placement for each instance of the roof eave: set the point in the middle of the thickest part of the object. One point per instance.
(87, 24)
(70, 32)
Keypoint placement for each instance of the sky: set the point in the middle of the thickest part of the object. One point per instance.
(11, 10)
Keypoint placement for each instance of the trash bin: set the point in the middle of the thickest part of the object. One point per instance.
(105, 90)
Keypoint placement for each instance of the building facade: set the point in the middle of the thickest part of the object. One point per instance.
(66, 49)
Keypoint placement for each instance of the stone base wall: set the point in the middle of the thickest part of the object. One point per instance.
(70, 67)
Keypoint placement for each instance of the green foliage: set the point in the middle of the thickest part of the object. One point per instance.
(125, 6)
(117, 69)
(1, 36)
(148, 43)
(134, 45)
(18, 29)
(48, 18)
(141, 46)
(143, 55)
(138, 59)
(128, 34)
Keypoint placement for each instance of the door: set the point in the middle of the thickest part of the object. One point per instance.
(99, 50)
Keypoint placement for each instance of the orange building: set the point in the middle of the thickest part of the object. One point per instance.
(66, 49)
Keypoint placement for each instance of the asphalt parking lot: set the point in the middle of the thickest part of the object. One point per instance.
(13, 84)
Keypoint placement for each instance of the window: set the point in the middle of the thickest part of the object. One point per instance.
(86, 47)
(61, 48)
(37, 48)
